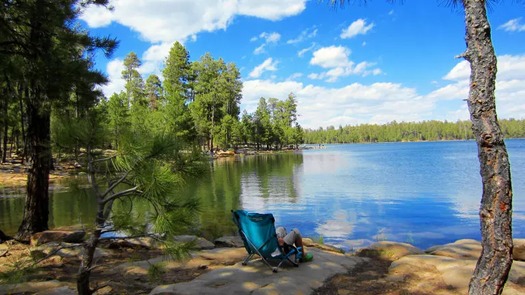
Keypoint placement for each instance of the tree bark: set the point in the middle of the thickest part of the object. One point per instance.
(36, 210)
(494, 264)
(86, 263)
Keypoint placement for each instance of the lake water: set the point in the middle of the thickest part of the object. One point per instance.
(423, 193)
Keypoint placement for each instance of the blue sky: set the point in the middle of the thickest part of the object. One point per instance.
(364, 63)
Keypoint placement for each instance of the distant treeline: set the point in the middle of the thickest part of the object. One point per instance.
(414, 131)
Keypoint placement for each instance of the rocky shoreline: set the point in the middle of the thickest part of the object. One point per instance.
(137, 266)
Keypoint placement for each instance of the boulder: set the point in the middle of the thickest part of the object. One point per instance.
(389, 250)
(48, 287)
(460, 249)
(64, 250)
(134, 243)
(57, 236)
(199, 243)
(229, 241)
(423, 272)
(519, 249)
(307, 242)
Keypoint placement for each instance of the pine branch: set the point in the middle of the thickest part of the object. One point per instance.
(112, 187)
(103, 159)
(122, 193)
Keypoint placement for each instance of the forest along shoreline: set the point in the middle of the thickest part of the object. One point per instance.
(13, 172)
(13, 175)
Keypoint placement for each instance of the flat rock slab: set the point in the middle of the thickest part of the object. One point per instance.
(460, 249)
(449, 275)
(389, 250)
(258, 278)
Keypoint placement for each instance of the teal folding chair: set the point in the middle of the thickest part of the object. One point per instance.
(258, 234)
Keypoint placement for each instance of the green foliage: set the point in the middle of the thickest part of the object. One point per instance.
(319, 240)
(197, 102)
(178, 251)
(217, 93)
(156, 271)
(274, 123)
(17, 274)
(396, 132)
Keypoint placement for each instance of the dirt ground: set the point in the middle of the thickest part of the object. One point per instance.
(17, 265)
(367, 278)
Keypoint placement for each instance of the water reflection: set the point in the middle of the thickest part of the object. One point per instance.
(65, 209)
(350, 195)
(339, 227)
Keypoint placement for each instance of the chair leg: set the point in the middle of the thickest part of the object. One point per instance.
(247, 259)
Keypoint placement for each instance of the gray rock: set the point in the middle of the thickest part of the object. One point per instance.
(257, 278)
(64, 250)
(57, 236)
(200, 243)
(519, 249)
(134, 243)
(432, 270)
(390, 250)
(47, 288)
(229, 241)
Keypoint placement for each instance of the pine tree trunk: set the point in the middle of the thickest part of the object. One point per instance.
(36, 210)
(86, 264)
(495, 261)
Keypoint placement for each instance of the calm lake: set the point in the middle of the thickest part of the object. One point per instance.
(423, 193)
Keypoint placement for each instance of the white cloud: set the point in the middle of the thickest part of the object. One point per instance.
(269, 9)
(337, 60)
(152, 63)
(161, 22)
(459, 72)
(97, 16)
(331, 57)
(259, 49)
(154, 57)
(294, 76)
(253, 90)
(116, 84)
(268, 65)
(269, 38)
(303, 51)
(513, 25)
(385, 102)
(510, 86)
(351, 104)
(168, 21)
(509, 67)
(305, 35)
(358, 27)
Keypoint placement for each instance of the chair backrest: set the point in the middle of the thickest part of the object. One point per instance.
(257, 231)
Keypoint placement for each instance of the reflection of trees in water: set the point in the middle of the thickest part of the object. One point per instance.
(230, 184)
(232, 181)
(65, 209)
(11, 209)
(271, 177)
(73, 207)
